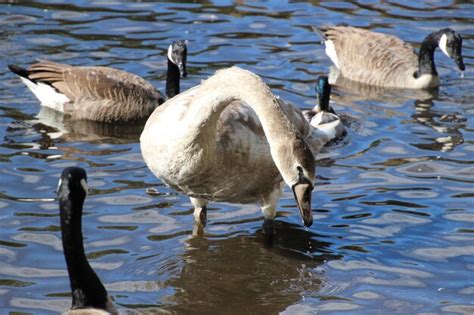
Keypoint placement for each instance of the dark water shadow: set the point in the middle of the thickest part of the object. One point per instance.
(246, 275)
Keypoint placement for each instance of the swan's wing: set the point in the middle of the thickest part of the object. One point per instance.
(361, 53)
(296, 117)
(94, 83)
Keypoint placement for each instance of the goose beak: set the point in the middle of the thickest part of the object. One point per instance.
(460, 63)
(182, 70)
(302, 192)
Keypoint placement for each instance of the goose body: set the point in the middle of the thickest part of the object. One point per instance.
(230, 139)
(384, 60)
(101, 93)
(89, 295)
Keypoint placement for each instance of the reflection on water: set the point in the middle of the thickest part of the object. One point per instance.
(393, 207)
(83, 130)
(265, 278)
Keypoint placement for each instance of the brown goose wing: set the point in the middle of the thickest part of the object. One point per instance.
(91, 82)
(364, 54)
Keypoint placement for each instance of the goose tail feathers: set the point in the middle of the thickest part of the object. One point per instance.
(319, 31)
(22, 72)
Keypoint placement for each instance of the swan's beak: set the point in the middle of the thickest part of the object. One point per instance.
(302, 192)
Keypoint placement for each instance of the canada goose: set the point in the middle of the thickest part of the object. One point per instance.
(101, 93)
(385, 60)
(89, 295)
(230, 139)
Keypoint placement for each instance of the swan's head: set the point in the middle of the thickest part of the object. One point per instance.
(177, 54)
(323, 93)
(72, 185)
(298, 173)
(450, 44)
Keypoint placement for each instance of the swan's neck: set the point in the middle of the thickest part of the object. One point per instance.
(87, 290)
(426, 55)
(172, 80)
(286, 143)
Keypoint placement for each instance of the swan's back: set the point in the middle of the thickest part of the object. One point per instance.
(370, 57)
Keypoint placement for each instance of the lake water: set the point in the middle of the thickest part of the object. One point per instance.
(393, 204)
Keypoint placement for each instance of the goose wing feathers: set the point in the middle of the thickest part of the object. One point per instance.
(368, 56)
(87, 86)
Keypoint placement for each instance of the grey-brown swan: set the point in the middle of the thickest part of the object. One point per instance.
(230, 139)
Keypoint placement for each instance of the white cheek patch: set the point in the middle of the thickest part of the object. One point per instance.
(59, 184)
(84, 185)
(443, 44)
(170, 54)
(331, 52)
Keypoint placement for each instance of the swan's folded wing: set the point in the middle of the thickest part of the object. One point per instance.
(296, 117)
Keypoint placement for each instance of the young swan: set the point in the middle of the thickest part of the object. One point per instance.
(101, 93)
(88, 293)
(385, 60)
(230, 139)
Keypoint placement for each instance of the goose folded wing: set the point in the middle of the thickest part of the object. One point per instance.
(93, 83)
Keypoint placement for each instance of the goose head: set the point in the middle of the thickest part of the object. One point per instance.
(177, 54)
(450, 44)
(72, 186)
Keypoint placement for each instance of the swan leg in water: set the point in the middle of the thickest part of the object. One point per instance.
(200, 210)
(269, 205)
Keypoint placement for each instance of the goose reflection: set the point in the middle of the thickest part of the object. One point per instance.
(239, 275)
(60, 126)
(348, 91)
(446, 126)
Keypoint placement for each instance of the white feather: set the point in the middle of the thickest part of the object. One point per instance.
(331, 52)
(443, 44)
(59, 184)
(47, 95)
(84, 185)
(170, 54)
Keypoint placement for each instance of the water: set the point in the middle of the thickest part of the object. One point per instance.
(393, 207)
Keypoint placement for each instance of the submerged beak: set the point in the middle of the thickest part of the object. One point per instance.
(302, 192)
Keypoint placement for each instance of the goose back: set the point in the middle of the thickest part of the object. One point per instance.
(374, 58)
(98, 93)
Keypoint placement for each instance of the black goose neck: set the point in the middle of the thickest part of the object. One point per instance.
(426, 55)
(86, 287)
(172, 80)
